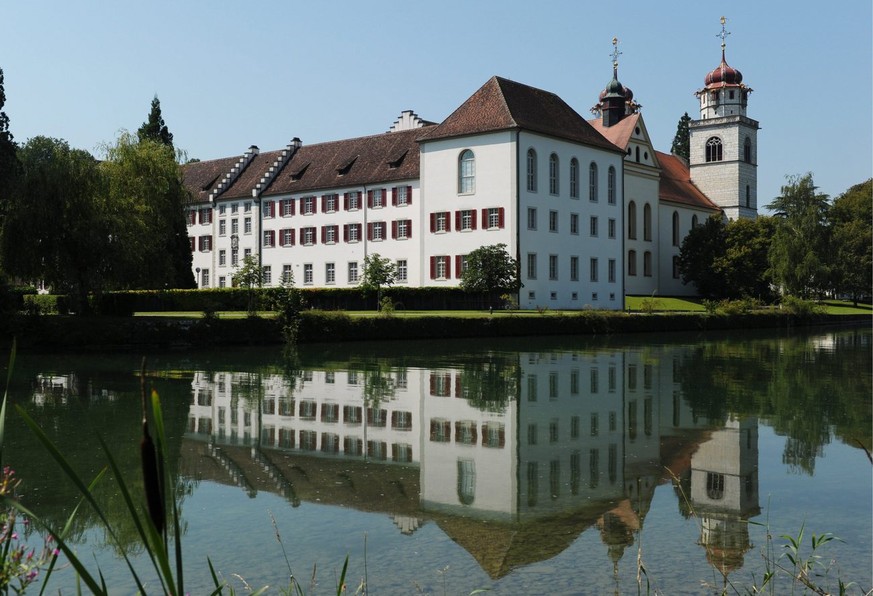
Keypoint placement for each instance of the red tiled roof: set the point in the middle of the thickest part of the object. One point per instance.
(619, 134)
(375, 159)
(676, 185)
(202, 176)
(501, 104)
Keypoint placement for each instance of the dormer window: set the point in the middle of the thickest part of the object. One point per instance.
(395, 160)
(343, 168)
(298, 173)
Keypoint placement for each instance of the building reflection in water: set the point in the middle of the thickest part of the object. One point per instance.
(513, 456)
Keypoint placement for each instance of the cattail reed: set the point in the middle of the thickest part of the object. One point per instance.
(150, 472)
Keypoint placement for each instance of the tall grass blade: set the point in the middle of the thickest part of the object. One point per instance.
(340, 588)
(80, 485)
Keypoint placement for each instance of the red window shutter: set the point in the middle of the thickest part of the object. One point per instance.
(345, 201)
(457, 265)
(409, 195)
(323, 234)
(500, 217)
(473, 218)
(459, 392)
(485, 223)
(323, 203)
(345, 232)
(394, 196)
(448, 223)
(433, 267)
(292, 237)
(370, 199)
(369, 231)
(314, 205)
(409, 228)
(457, 220)
(448, 268)
(432, 223)
(393, 229)
(200, 215)
(292, 205)
(272, 208)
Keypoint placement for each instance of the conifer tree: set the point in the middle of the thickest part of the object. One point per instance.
(154, 128)
(682, 140)
(8, 149)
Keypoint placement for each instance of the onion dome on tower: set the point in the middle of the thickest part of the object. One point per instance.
(616, 101)
(724, 93)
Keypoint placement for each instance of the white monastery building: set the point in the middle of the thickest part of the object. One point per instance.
(589, 209)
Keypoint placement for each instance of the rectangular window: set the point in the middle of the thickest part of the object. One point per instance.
(329, 273)
(531, 265)
(307, 274)
(352, 232)
(287, 207)
(574, 382)
(222, 258)
(574, 223)
(192, 217)
(286, 237)
(247, 253)
(268, 209)
(401, 270)
(247, 225)
(234, 257)
(593, 226)
(287, 274)
(465, 220)
(352, 200)
(222, 227)
(553, 267)
(440, 267)
(222, 209)
(376, 231)
(647, 264)
(307, 205)
(574, 268)
(307, 236)
(269, 238)
(222, 282)
(611, 270)
(247, 207)
(206, 216)
(611, 227)
(329, 203)
(205, 243)
(376, 198)
(401, 229)
(402, 195)
(553, 221)
(353, 272)
(593, 270)
(329, 234)
(234, 226)
(439, 222)
(595, 380)
(204, 278)
(234, 207)
(531, 218)
(267, 275)
(494, 219)
(595, 425)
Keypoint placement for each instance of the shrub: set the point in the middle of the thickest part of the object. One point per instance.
(802, 308)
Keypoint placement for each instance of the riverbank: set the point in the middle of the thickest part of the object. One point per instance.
(59, 332)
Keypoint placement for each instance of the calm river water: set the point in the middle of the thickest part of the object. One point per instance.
(536, 466)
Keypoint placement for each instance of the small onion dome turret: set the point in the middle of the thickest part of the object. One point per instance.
(723, 76)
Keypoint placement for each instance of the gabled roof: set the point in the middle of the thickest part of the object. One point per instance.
(620, 134)
(376, 159)
(203, 176)
(501, 104)
(676, 185)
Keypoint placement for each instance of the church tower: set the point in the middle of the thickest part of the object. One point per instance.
(724, 141)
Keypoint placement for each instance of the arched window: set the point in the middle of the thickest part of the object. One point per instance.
(610, 185)
(637, 151)
(632, 221)
(647, 264)
(675, 228)
(748, 196)
(553, 174)
(466, 172)
(574, 178)
(713, 149)
(693, 221)
(531, 170)
(466, 481)
(647, 222)
(631, 262)
(592, 182)
(675, 267)
(747, 150)
(715, 486)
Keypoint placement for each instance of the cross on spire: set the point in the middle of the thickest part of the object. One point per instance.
(723, 34)
(615, 54)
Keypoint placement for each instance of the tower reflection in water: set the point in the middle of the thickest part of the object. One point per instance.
(512, 455)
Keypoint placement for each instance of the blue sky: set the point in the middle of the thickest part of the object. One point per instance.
(234, 74)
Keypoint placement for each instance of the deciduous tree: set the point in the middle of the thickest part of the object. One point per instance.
(851, 220)
(9, 166)
(798, 261)
(700, 249)
(491, 271)
(378, 273)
